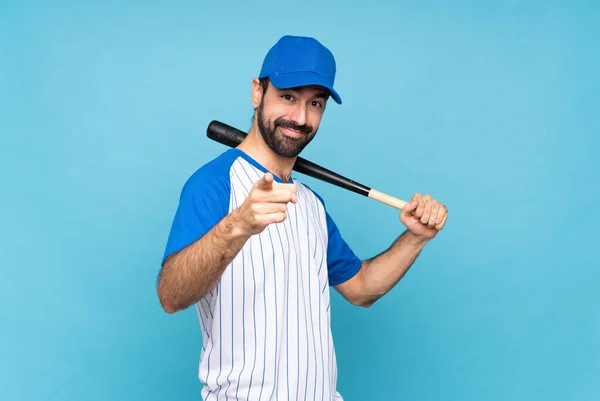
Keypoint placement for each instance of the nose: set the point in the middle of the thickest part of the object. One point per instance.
(299, 114)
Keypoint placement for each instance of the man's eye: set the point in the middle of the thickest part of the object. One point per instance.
(287, 97)
(317, 104)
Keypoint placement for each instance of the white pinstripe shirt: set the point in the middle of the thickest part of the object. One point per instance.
(266, 325)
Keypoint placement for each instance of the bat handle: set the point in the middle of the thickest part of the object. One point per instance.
(397, 203)
(387, 199)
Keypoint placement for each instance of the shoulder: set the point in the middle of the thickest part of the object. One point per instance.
(211, 176)
(203, 202)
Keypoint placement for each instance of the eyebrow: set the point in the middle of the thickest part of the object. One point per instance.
(322, 94)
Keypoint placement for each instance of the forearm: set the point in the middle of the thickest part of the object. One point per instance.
(192, 272)
(382, 272)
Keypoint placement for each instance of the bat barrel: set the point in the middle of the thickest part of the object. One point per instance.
(314, 170)
(232, 137)
(225, 134)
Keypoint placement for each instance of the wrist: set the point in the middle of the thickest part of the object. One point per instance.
(415, 240)
(235, 228)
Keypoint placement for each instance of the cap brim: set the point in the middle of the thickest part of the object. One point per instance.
(296, 79)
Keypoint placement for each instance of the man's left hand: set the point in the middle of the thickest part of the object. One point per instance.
(421, 214)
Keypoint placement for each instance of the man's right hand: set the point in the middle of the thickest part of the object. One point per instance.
(265, 204)
(188, 275)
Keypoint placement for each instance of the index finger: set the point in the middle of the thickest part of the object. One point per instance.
(265, 182)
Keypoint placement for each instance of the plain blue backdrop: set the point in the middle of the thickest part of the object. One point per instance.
(492, 107)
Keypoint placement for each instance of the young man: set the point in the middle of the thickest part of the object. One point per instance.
(256, 250)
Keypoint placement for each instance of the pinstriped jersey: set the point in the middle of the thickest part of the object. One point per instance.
(266, 324)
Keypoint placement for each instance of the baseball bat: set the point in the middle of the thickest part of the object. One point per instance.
(232, 137)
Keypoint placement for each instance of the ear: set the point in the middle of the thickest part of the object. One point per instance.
(256, 92)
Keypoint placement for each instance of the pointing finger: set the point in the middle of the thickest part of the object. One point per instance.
(279, 196)
(265, 182)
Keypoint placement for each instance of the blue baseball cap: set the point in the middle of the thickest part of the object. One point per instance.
(300, 61)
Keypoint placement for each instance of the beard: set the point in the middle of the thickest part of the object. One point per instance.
(280, 143)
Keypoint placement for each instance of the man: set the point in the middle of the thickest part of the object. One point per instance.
(256, 251)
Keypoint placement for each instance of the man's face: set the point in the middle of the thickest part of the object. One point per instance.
(288, 119)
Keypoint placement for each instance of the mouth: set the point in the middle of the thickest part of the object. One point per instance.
(291, 133)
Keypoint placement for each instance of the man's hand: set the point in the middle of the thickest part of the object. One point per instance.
(421, 214)
(188, 275)
(265, 204)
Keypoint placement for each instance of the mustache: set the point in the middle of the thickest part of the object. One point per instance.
(305, 129)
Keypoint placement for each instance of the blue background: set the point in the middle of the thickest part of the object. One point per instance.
(493, 107)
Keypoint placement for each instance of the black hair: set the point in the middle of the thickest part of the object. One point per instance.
(264, 84)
